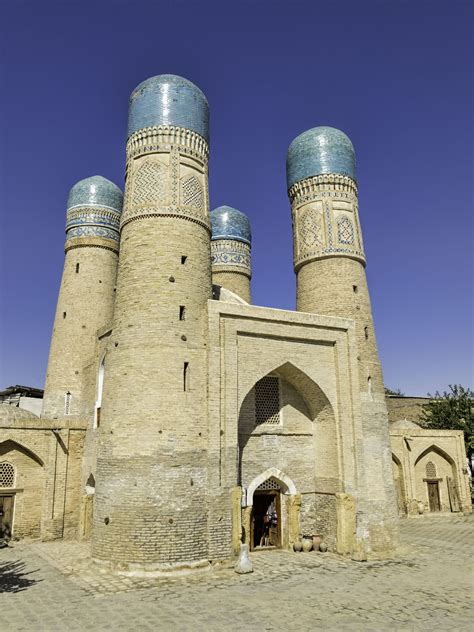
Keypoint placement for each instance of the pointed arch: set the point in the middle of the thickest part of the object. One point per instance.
(435, 448)
(312, 394)
(399, 483)
(287, 485)
(9, 444)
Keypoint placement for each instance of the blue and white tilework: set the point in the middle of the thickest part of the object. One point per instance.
(168, 100)
(229, 223)
(318, 151)
(227, 253)
(94, 208)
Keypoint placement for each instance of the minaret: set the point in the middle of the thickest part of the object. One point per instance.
(230, 251)
(150, 504)
(86, 296)
(329, 262)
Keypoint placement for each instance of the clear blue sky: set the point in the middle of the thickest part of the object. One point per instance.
(395, 76)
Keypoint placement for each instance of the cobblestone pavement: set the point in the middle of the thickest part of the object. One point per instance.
(428, 586)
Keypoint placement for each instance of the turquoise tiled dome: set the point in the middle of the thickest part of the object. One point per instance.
(229, 223)
(94, 206)
(95, 191)
(168, 100)
(319, 151)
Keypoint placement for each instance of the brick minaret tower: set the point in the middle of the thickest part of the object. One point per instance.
(86, 296)
(329, 263)
(150, 507)
(230, 251)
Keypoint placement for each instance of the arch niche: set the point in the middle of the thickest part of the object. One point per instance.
(272, 487)
(297, 448)
(26, 497)
(436, 480)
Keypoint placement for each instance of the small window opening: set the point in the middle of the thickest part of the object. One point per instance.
(67, 403)
(183, 259)
(64, 314)
(366, 333)
(355, 289)
(186, 376)
(77, 268)
(7, 474)
(182, 312)
(369, 385)
(267, 400)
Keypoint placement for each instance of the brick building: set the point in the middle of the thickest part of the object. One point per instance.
(178, 418)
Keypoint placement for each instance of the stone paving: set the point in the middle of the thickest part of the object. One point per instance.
(428, 586)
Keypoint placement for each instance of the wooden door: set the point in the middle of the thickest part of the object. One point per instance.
(275, 530)
(6, 514)
(433, 495)
(453, 495)
(278, 510)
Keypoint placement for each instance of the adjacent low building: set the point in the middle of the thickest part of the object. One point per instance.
(430, 467)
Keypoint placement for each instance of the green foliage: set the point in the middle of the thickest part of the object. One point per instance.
(389, 391)
(453, 410)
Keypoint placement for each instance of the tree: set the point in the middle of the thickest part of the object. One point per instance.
(389, 391)
(453, 410)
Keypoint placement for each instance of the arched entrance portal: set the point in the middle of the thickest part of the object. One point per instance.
(436, 480)
(265, 526)
(271, 510)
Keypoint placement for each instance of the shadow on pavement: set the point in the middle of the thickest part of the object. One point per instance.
(13, 577)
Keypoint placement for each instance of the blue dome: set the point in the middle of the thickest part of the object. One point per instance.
(319, 151)
(95, 191)
(168, 100)
(94, 206)
(229, 223)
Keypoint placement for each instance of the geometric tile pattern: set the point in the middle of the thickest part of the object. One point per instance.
(230, 252)
(345, 231)
(93, 221)
(430, 470)
(311, 228)
(93, 231)
(192, 193)
(150, 184)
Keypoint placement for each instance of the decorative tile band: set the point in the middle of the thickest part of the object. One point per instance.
(166, 182)
(231, 253)
(333, 184)
(325, 220)
(165, 138)
(92, 231)
(93, 221)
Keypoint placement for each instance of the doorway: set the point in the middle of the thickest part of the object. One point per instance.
(6, 515)
(266, 520)
(433, 496)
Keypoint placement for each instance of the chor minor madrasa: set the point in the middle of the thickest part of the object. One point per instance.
(179, 420)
